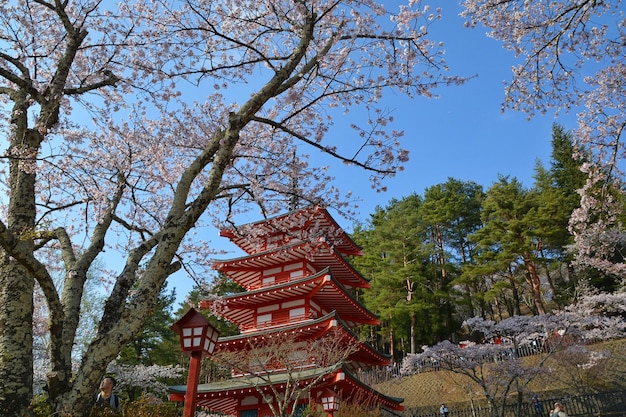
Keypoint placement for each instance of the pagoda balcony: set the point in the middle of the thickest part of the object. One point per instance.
(272, 283)
(274, 369)
(278, 322)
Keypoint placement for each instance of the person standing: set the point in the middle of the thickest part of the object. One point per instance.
(537, 405)
(558, 411)
(443, 410)
(106, 398)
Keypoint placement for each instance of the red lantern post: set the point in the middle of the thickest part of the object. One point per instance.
(197, 339)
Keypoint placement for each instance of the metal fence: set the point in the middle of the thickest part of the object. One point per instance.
(606, 404)
(383, 374)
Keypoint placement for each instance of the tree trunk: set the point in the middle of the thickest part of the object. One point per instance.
(549, 276)
(468, 300)
(392, 346)
(16, 339)
(535, 286)
(517, 304)
(16, 283)
(413, 335)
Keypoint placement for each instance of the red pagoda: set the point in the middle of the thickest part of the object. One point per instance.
(297, 281)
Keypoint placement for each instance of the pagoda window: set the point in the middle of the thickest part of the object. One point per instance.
(264, 320)
(250, 400)
(293, 271)
(267, 309)
(297, 314)
(268, 281)
(299, 355)
(285, 273)
(292, 303)
(272, 271)
(296, 274)
(291, 267)
(269, 275)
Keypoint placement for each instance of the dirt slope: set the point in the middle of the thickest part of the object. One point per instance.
(433, 388)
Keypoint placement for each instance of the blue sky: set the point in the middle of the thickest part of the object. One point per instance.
(463, 134)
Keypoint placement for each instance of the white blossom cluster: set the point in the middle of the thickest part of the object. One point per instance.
(595, 318)
(147, 378)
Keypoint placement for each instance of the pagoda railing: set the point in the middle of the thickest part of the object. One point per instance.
(278, 322)
(280, 279)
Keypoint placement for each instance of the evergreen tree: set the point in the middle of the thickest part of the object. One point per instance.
(157, 343)
(557, 192)
(220, 286)
(551, 220)
(568, 178)
(509, 238)
(565, 165)
(559, 188)
(395, 261)
(451, 212)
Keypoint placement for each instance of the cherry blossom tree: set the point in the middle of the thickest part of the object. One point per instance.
(572, 59)
(123, 125)
(498, 368)
(284, 353)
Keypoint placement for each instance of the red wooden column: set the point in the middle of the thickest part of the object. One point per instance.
(192, 384)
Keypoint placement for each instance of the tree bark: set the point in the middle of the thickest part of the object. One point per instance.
(16, 339)
(535, 286)
(16, 282)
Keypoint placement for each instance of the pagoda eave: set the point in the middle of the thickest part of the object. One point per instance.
(313, 217)
(247, 270)
(321, 288)
(222, 396)
(366, 356)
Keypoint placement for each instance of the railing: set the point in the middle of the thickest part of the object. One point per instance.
(605, 404)
(380, 375)
(278, 322)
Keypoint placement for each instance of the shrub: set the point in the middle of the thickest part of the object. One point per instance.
(150, 406)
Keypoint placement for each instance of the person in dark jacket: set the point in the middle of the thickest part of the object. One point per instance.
(106, 398)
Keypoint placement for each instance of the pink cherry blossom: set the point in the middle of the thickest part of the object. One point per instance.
(131, 127)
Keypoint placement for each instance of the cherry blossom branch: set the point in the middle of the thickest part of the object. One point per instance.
(324, 149)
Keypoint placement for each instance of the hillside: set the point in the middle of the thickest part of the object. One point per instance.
(429, 389)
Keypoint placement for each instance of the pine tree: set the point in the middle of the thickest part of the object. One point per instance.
(395, 260)
(509, 238)
(451, 211)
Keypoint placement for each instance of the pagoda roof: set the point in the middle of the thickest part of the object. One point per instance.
(223, 396)
(363, 358)
(322, 288)
(313, 219)
(247, 270)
